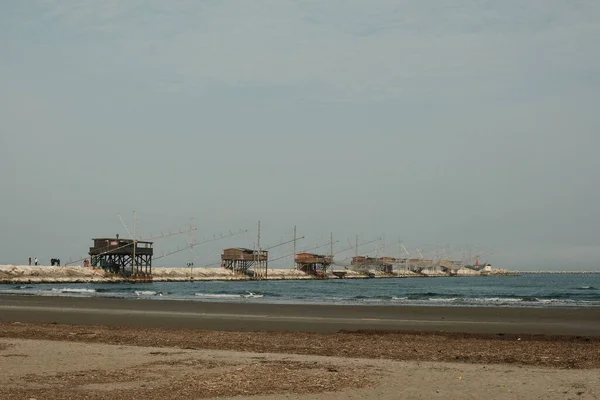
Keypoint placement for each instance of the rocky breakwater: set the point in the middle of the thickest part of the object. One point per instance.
(51, 274)
(77, 274)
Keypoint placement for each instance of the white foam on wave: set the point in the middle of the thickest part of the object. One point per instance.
(217, 296)
(485, 300)
(443, 299)
(146, 293)
(12, 291)
(251, 295)
(74, 290)
(492, 300)
(512, 300)
(18, 290)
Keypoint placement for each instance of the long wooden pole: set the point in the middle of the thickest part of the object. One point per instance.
(133, 262)
(294, 259)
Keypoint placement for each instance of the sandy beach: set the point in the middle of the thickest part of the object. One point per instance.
(96, 362)
(98, 348)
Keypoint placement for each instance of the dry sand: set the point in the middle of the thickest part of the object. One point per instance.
(126, 363)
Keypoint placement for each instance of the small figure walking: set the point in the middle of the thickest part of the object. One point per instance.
(36, 261)
(29, 260)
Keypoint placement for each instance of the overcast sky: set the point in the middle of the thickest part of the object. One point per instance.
(450, 125)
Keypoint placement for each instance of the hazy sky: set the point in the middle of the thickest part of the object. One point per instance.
(447, 124)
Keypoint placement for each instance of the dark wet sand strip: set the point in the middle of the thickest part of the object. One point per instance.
(296, 318)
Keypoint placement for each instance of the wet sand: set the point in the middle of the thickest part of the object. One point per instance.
(254, 316)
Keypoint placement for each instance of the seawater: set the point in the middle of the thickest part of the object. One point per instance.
(505, 291)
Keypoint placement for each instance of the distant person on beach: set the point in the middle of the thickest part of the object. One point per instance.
(29, 260)
(36, 261)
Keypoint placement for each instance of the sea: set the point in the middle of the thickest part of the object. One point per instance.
(539, 290)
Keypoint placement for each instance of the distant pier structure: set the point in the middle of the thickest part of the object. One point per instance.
(239, 260)
(382, 264)
(313, 264)
(127, 257)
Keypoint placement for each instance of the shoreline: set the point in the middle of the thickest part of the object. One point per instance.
(34, 281)
(226, 316)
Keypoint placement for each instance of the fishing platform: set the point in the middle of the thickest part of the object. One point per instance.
(313, 264)
(382, 264)
(126, 257)
(239, 260)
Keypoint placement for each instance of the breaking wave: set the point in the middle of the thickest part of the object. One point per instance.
(147, 293)
(74, 290)
(217, 296)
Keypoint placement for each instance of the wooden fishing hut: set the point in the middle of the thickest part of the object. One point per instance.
(383, 264)
(313, 264)
(239, 260)
(125, 257)
(387, 264)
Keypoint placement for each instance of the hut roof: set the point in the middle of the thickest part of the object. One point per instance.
(121, 240)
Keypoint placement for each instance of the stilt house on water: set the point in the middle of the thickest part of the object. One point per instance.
(125, 257)
(313, 264)
(239, 260)
(383, 264)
